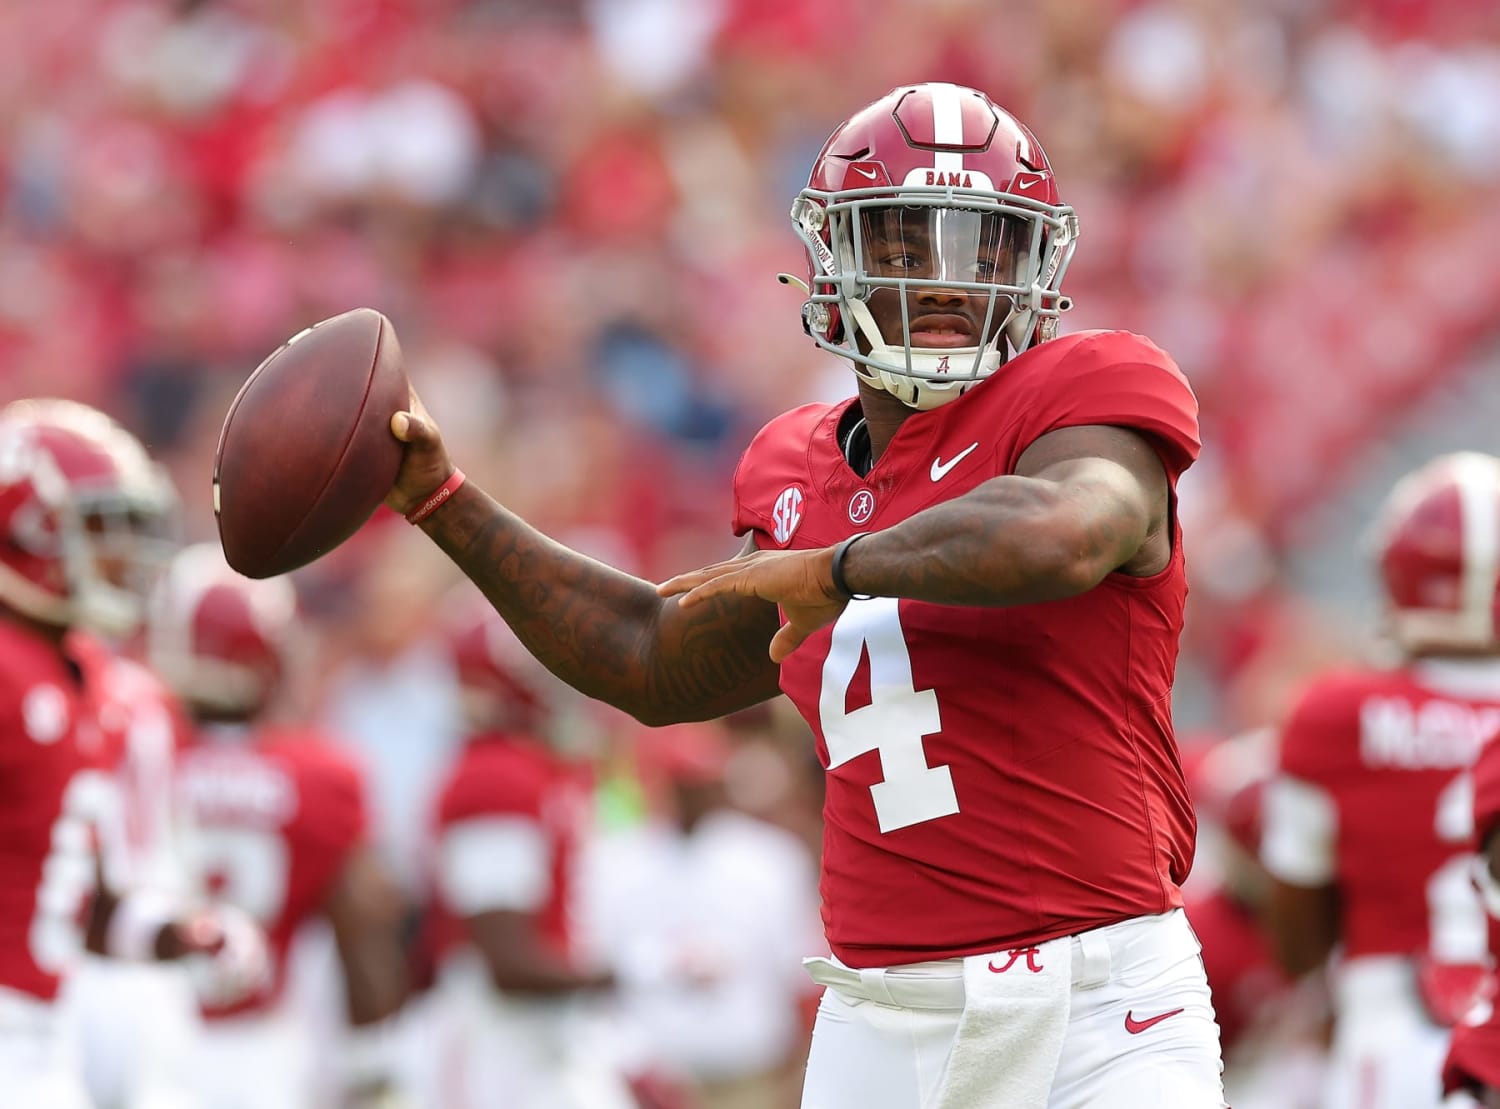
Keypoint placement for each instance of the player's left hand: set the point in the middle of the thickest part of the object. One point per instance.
(801, 582)
(227, 953)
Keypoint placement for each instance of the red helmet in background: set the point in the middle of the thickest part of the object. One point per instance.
(943, 165)
(220, 640)
(1437, 540)
(502, 686)
(129, 505)
(52, 480)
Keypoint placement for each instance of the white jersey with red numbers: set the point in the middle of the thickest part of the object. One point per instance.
(53, 799)
(276, 816)
(506, 833)
(997, 777)
(1373, 795)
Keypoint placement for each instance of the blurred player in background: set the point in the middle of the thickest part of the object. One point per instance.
(1369, 819)
(278, 828)
(127, 1062)
(509, 824)
(1273, 1029)
(707, 911)
(970, 579)
(1471, 1072)
(65, 869)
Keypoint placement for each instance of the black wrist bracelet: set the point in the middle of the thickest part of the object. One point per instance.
(836, 571)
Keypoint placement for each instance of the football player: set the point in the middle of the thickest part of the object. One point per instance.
(130, 513)
(969, 579)
(65, 878)
(725, 904)
(1472, 1068)
(510, 818)
(1369, 818)
(1273, 1030)
(279, 829)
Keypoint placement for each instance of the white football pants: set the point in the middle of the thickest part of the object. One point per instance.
(38, 1069)
(257, 1061)
(1387, 1053)
(1118, 1052)
(135, 1025)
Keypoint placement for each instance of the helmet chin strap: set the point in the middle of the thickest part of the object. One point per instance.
(923, 387)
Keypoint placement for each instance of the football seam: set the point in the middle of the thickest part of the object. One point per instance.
(343, 450)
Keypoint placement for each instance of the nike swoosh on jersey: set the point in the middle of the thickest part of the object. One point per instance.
(940, 468)
(1136, 1027)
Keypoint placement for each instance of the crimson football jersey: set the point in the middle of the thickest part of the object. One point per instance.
(276, 816)
(1487, 789)
(526, 806)
(996, 776)
(142, 726)
(1392, 753)
(1487, 817)
(52, 801)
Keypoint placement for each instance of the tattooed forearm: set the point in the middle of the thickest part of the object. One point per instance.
(712, 659)
(604, 632)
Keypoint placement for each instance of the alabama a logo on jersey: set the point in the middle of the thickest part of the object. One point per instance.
(861, 507)
(787, 514)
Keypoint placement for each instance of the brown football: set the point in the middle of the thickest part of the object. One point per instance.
(306, 453)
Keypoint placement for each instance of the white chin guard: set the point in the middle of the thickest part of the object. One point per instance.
(921, 377)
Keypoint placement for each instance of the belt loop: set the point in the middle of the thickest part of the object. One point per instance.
(872, 981)
(1094, 960)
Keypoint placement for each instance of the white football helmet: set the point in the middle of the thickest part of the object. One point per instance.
(220, 640)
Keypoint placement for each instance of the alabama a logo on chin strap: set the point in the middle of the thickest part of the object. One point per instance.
(787, 514)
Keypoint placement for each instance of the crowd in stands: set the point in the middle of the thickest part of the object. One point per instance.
(574, 211)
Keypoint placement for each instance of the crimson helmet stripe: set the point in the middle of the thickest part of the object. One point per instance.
(947, 125)
(1478, 478)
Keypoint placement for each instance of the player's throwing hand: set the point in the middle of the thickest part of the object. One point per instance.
(425, 464)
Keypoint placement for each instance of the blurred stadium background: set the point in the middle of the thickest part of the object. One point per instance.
(573, 212)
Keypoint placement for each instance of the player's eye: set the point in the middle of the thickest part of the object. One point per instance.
(900, 260)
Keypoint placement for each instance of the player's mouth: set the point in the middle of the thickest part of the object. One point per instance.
(942, 331)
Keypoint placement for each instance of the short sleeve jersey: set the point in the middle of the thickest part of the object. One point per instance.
(50, 793)
(996, 776)
(275, 819)
(1391, 759)
(507, 828)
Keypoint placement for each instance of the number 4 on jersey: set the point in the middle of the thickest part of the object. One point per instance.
(894, 721)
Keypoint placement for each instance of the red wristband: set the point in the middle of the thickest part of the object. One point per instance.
(438, 498)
